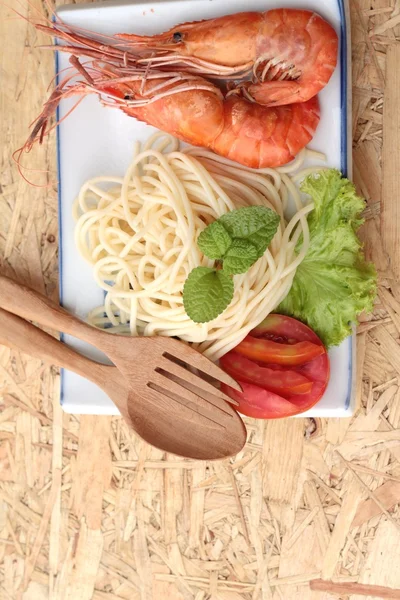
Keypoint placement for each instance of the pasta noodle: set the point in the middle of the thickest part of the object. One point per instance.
(139, 232)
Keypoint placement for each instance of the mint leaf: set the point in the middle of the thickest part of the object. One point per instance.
(206, 294)
(240, 256)
(214, 240)
(258, 224)
(262, 239)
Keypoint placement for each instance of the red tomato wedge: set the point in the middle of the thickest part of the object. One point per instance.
(268, 351)
(285, 382)
(266, 403)
(285, 328)
(260, 404)
(316, 370)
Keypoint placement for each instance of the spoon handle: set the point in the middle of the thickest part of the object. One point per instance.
(18, 333)
(29, 304)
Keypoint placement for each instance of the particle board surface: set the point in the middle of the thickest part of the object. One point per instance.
(125, 521)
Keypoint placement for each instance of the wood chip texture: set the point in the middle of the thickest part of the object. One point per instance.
(87, 511)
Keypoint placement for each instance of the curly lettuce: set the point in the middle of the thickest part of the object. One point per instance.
(334, 283)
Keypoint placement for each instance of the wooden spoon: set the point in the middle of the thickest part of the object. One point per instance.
(201, 431)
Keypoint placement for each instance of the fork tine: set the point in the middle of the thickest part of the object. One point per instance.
(161, 397)
(193, 358)
(175, 387)
(188, 385)
(194, 379)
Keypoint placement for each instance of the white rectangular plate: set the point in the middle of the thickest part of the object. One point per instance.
(95, 140)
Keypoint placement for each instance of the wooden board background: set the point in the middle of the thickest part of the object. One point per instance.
(88, 511)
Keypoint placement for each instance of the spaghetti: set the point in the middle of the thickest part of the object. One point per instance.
(139, 232)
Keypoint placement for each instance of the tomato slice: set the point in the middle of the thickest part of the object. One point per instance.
(286, 328)
(259, 403)
(268, 351)
(317, 370)
(264, 402)
(285, 383)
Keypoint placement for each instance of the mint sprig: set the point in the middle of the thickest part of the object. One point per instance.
(236, 240)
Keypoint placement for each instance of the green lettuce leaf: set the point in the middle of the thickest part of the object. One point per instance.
(334, 283)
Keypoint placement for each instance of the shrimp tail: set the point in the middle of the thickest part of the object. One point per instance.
(256, 136)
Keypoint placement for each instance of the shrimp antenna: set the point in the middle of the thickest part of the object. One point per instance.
(34, 9)
(41, 129)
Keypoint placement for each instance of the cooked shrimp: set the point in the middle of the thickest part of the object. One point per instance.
(195, 111)
(282, 56)
(290, 53)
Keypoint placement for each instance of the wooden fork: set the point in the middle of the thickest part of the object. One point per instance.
(163, 394)
(200, 431)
